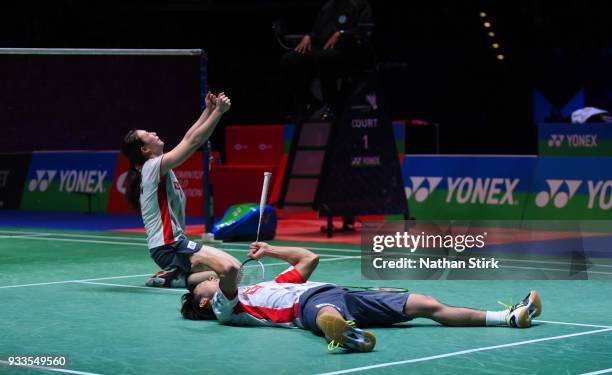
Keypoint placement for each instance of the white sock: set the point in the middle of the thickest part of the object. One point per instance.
(496, 318)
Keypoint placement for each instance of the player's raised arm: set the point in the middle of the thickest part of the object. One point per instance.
(224, 264)
(196, 135)
(304, 261)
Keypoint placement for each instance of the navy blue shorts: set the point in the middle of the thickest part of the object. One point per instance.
(175, 255)
(367, 309)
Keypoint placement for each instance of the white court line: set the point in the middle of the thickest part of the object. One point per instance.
(572, 324)
(141, 239)
(148, 274)
(130, 286)
(3, 236)
(73, 281)
(37, 236)
(129, 243)
(84, 241)
(183, 290)
(605, 371)
(65, 371)
(19, 232)
(245, 250)
(557, 270)
(462, 352)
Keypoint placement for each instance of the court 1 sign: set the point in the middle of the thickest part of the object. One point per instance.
(467, 187)
(575, 139)
(571, 188)
(67, 181)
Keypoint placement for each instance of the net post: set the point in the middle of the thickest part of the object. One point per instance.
(206, 157)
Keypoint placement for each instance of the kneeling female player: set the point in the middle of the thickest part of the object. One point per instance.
(154, 191)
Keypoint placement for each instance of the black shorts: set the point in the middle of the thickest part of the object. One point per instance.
(367, 309)
(175, 255)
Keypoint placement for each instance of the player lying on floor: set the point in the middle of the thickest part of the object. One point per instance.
(291, 301)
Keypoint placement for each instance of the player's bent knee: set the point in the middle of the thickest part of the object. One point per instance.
(328, 310)
(421, 306)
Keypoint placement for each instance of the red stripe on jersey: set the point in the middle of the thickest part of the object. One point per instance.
(292, 276)
(162, 201)
(281, 315)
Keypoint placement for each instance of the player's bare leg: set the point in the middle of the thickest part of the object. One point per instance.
(420, 306)
(518, 315)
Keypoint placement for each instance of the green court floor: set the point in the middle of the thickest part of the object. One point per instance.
(81, 294)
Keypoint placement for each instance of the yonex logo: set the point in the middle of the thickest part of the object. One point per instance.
(239, 147)
(554, 193)
(493, 191)
(88, 181)
(555, 140)
(421, 191)
(600, 192)
(573, 140)
(42, 180)
(489, 190)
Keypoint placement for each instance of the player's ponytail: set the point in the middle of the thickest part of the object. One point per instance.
(131, 148)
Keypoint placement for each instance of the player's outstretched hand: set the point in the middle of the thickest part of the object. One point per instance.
(211, 101)
(223, 103)
(258, 250)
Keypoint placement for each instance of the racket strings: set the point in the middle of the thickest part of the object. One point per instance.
(251, 272)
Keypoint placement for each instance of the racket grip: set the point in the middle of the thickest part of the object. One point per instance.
(264, 191)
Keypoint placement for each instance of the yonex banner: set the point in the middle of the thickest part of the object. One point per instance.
(13, 171)
(571, 188)
(575, 139)
(69, 181)
(467, 187)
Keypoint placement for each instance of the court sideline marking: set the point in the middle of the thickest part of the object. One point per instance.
(605, 371)
(463, 352)
(313, 248)
(140, 241)
(144, 275)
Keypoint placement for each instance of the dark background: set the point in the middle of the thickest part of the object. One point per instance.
(435, 57)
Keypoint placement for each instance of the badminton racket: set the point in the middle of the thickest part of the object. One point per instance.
(262, 201)
(251, 272)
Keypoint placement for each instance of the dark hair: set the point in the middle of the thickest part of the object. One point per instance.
(191, 308)
(131, 148)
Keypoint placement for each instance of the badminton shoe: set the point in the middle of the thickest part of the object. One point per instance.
(521, 314)
(340, 332)
(168, 278)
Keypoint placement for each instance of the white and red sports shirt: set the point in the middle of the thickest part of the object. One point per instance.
(271, 303)
(162, 204)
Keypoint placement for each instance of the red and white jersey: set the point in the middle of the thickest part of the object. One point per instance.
(162, 204)
(271, 303)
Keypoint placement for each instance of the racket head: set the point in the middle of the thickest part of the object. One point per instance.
(252, 271)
